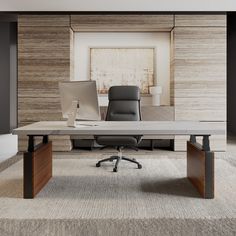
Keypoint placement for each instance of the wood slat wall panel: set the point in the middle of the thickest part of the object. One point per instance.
(200, 20)
(44, 20)
(122, 22)
(44, 59)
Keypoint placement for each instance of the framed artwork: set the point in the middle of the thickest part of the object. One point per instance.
(122, 66)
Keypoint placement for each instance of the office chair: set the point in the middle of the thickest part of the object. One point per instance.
(124, 105)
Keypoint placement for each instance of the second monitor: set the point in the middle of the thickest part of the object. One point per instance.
(85, 93)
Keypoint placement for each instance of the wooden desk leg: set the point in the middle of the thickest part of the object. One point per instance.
(37, 167)
(200, 167)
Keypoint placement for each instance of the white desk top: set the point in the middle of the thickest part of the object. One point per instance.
(123, 128)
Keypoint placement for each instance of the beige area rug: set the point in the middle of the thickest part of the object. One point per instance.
(81, 199)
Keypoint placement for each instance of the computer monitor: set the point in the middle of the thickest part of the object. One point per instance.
(85, 92)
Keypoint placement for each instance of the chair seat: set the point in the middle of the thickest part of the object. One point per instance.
(117, 140)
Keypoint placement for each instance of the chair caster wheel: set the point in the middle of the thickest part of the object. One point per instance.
(115, 169)
(139, 166)
(98, 165)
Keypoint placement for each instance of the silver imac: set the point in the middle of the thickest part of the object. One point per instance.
(85, 93)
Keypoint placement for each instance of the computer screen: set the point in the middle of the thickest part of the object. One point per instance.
(85, 92)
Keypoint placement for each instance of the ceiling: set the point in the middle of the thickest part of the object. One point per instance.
(117, 5)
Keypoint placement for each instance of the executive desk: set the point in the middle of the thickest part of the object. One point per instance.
(200, 160)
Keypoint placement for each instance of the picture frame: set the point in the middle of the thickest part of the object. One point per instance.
(111, 66)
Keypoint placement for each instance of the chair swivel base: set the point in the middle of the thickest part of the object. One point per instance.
(118, 159)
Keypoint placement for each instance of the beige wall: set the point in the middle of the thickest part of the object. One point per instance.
(198, 64)
(199, 72)
(160, 41)
(43, 60)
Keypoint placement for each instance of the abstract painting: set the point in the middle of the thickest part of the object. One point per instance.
(122, 66)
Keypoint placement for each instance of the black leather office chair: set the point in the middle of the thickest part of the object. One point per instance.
(124, 105)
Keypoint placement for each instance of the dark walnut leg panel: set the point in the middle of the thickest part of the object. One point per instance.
(37, 169)
(200, 169)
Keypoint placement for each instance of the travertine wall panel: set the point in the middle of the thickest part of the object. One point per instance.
(44, 20)
(44, 59)
(198, 74)
(122, 22)
(200, 20)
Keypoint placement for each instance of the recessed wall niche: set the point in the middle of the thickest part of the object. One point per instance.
(160, 41)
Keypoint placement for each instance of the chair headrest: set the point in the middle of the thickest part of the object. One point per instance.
(126, 92)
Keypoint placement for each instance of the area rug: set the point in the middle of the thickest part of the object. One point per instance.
(81, 199)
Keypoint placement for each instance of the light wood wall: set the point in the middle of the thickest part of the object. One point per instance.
(44, 59)
(198, 75)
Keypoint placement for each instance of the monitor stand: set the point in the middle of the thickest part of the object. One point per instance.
(71, 121)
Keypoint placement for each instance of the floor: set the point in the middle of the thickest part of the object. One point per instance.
(81, 199)
(8, 146)
(156, 200)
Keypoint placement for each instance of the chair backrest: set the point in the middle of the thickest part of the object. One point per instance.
(124, 103)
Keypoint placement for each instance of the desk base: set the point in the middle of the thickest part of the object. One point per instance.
(200, 169)
(37, 169)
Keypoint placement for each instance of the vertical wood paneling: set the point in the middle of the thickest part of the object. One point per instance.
(44, 59)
